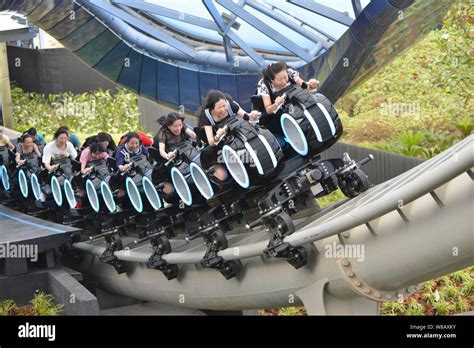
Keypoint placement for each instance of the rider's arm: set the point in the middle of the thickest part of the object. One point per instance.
(36, 150)
(163, 152)
(190, 133)
(210, 135)
(267, 102)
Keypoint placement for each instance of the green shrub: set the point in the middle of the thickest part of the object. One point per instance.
(7, 307)
(443, 308)
(393, 308)
(84, 113)
(414, 308)
(44, 304)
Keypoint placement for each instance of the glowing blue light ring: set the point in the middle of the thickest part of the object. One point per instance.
(226, 150)
(105, 190)
(176, 172)
(194, 167)
(69, 191)
(5, 179)
(148, 184)
(35, 186)
(23, 183)
(92, 195)
(58, 191)
(130, 185)
(285, 117)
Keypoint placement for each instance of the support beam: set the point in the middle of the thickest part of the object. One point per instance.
(5, 92)
(150, 30)
(232, 34)
(285, 21)
(323, 11)
(266, 29)
(168, 13)
(357, 7)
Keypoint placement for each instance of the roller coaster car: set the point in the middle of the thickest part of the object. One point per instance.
(309, 120)
(138, 182)
(7, 167)
(32, 165)
(48, 189)
(311, 125)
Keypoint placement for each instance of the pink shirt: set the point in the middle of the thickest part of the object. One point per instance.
(86, 156)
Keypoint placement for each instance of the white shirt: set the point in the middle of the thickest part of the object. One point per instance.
(51, 152)
(262, 88)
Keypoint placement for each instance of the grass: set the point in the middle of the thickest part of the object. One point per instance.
(447, 295)
(42, 304)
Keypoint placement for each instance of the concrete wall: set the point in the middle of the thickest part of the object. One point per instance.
(65, 288)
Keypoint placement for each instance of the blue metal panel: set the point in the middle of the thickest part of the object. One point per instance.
(131, 72)
(148, 81)
(112, 64)
(168, 89)
(228, 84)
(57, 15)
(43, 9)
(246, 87)
(365, 32)
(29, 6)
(69, 25)
(83, 35)
(207, 81)
(98, 48)
(189, 89)
(17, 5)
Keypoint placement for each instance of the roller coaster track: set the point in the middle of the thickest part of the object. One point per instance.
(412, 228)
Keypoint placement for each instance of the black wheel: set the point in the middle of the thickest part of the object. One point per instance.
(164, 244)
(354, 183)
(298, 257)
(285, 224)
(171, 271)
(219, 240)
(120, 266)
(231, 268)
(117, 241)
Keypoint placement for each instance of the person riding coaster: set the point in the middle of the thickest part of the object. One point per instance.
(295, 113)
(275, 78)
(58, 157)
(248, 154)
(173, 141)
(6, 167)
(28, 160)
(97, 178)
(136, 174)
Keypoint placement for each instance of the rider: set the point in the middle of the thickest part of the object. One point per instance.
(103, 138)
(172, 132)
(38, 138)
(276, 77)
(131, 147)
(25, 147)
(5, 140)
(94, 152)
(59, 148)
(217, 108)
